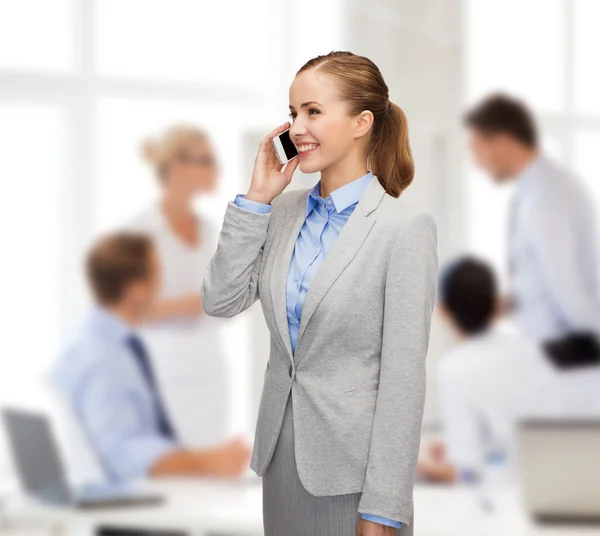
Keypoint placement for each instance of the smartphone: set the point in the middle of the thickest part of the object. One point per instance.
(284, 147)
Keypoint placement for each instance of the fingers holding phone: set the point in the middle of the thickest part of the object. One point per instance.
(268, 179)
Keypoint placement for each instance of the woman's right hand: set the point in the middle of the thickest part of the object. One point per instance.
(268, 180)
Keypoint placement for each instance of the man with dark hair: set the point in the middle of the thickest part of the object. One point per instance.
(468, 295)
(107, 376)
(482, 383)
(492, 379)
(553, 262)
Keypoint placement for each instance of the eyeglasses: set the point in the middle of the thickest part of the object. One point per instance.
(202, 161)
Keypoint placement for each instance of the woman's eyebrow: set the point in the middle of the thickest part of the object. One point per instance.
(306, 104)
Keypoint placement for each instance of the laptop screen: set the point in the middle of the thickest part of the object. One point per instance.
(36, 456)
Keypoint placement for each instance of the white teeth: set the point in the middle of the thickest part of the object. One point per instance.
(304, 148)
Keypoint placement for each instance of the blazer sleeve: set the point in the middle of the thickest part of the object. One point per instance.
(410, 291)
(230, 284)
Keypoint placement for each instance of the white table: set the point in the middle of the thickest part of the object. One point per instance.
(448, 511)
(199, 507)
(202, 507)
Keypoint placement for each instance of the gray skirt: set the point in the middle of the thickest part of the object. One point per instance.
(290, 510)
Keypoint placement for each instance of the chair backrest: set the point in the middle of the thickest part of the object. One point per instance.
(81, 461)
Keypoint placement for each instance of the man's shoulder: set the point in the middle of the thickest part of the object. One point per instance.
(555, 181)
(86, 356)
(483, 352)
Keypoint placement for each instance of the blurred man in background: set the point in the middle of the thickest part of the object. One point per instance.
(485, 383)
(107, 376)
(553, 262)
(492, 380)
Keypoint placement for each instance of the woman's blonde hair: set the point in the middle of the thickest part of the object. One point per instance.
(361, 84)
(174, 143)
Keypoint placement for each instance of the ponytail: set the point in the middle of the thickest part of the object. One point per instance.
(389, 152)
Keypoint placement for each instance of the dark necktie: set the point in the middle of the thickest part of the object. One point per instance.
(143, 360)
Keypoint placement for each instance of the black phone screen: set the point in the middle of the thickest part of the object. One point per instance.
(288, 145)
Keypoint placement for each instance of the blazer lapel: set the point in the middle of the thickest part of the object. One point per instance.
(289, 234)
(345, 248)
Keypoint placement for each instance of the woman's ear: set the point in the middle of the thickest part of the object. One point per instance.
(364, 122)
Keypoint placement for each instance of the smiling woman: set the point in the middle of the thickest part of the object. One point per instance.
(346, 274)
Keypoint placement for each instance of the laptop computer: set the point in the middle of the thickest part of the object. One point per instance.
(559, 469)
(41, 471)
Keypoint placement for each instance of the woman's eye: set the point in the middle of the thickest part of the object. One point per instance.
(310, 112)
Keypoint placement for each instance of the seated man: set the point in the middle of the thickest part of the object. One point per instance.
(107, 376)
(484, 384)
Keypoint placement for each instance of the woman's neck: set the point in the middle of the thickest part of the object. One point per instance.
(342, 173)
(180, 217)
(177, 206)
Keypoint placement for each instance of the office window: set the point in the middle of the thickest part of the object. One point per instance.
(32, 143)
(587, 143)
(586, 46)
(37, 34)
(517, 46)
(188, 41)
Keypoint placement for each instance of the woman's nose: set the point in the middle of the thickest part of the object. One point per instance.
(297, 130)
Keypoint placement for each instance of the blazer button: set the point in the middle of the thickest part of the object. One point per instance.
(291, 370)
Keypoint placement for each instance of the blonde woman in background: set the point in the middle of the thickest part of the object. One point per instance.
(184, 342)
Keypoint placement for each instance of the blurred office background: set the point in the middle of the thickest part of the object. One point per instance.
(83, 82)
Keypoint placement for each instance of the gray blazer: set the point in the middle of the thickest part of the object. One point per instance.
(357, 378)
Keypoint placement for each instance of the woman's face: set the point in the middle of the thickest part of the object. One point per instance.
(196, 171)
(322, 129)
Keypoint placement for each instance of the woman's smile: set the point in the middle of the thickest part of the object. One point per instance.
(305, 149)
